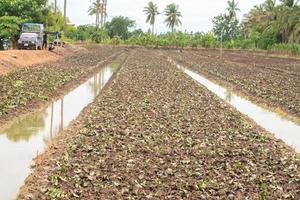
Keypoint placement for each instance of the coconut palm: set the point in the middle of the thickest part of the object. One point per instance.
(232, 9)
(65, 16)
(289, 3)
(151, 11)
(97, 8)
(105, 11)
(289, 22)
(173, 16)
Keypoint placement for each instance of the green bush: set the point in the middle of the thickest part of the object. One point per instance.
(116, 40)
(99, 36)
(291, 48)
(10, 27)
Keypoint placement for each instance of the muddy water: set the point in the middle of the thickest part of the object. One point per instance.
(28, 137)
(281, 127)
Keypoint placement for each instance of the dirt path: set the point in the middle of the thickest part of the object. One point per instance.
(15, 59)
(155, 133)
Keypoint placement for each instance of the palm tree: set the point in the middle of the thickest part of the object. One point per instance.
(151, 11)
(289, 3)
(173, 16)
(55, 15)
(97, 8)
(65, 16)
(289, 22)
(232, 9)
(105, 10)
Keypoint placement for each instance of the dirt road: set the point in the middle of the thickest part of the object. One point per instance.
(14, 59)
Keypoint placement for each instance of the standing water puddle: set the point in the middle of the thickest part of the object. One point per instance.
(282, 128)
(28, 137)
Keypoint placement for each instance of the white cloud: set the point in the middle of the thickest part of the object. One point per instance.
(197, 14)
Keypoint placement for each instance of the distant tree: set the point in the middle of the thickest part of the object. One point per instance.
(227, 25)
(173, 16)
(151, 11)
(96, 9)
(119, 26)
(137, 32)
(232, 9)
(33, 10)
(289, 3)
(100, 35)
(282, 20)
(10, 27)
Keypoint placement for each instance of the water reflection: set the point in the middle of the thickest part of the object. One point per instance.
(27, 137)
(228, 96)
(25, 128)
(281, 127)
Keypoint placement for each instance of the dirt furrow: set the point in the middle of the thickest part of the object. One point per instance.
(268, 86)
(30, 88)
(155, 133)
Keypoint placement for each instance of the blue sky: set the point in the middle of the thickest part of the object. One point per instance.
(197, 14)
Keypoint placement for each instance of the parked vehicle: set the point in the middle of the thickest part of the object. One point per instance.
(31, 36)
(5, 43)
(30, 41)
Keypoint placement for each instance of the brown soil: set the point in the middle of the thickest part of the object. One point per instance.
(14, 59)
(155, 133)
(270, 81)
(74, 64)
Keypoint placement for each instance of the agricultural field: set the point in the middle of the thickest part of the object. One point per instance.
(265, 79)
(155, 133)
(26, 88)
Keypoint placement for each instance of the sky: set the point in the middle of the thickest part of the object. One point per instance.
(197, 14)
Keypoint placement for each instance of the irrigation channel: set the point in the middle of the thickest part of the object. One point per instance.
(280, 126)
(26, 138)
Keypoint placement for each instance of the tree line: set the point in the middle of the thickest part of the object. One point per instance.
(270, 25)
(266, 25)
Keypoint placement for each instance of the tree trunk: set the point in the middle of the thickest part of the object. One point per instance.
(55, 15)
(104, 11)
(65, 16)
(153, 29)
(102, 14)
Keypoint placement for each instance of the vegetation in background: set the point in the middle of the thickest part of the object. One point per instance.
(267, 26)
(173, 16)
(10, 27)
(226, 26)
(98, 8)
(119, 26)
(151, 11)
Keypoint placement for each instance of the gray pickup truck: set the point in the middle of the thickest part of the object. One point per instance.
(31, 36)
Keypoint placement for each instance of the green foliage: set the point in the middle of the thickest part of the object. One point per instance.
(289, 48)
(174, 39)
(81, 33)
(99, 35)
(119, 26)
(151, 11)
(208, 40)
(173, 16)
(10, 27)
(275, 22)
(33, 10)
(116, 40)
(226, 27)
